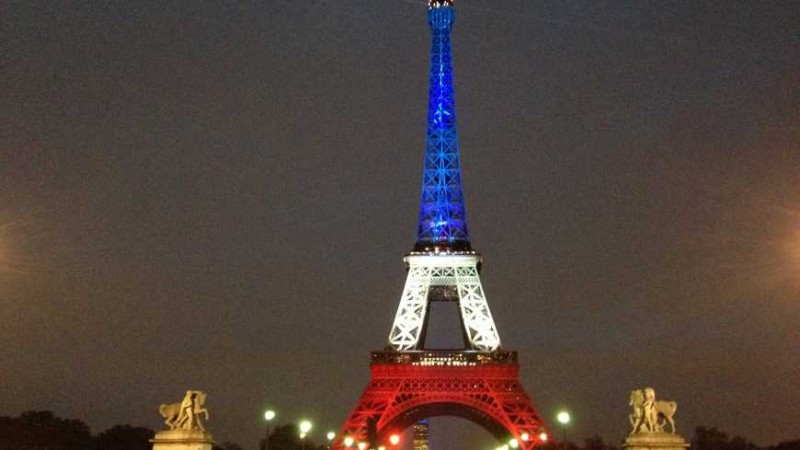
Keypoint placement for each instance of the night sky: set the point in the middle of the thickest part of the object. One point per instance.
(218, 195)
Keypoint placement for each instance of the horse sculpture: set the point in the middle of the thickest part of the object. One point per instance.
(185, 414)
(647, 411)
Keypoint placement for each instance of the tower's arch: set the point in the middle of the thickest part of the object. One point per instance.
(471, 412)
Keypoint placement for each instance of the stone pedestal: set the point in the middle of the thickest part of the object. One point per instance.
(655, 441)
(182, 440)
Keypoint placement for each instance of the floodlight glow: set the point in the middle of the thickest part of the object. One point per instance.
(269, 415)
(513, 443)
(348, 441)
(362, 445)
(305, 427)
(563, 417)
(543, 437)
(394, 439)
(525, 437)
(330, 435)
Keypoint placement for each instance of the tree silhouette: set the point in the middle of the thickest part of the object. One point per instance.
(226, 446)
(43, 430)
(713, 439)
(287, 437)
(596, 443)
(786, 445)
(124, 437)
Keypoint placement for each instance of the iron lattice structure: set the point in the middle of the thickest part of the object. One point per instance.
(442, 215)
(409, 382)
(443, 277)
(408, 386)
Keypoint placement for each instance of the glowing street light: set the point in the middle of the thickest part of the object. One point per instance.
(563, 418)
(513, 443)
(394, 439)
(268, 416)
(305, 427)
(348, 441)
(331, 436)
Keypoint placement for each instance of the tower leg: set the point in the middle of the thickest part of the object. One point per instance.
(409, 322)
(481, 331)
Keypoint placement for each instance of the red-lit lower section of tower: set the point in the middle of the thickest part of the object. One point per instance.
(408, 386)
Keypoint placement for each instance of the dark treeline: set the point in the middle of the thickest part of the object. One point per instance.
(704, 439)
(287, 437)
(42, 430)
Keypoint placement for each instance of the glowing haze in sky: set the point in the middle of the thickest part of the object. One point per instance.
(218, 196)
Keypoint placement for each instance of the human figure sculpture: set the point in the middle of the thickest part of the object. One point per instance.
(185, 415)
(647, 411)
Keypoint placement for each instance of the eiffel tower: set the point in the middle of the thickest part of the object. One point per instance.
(409, 382)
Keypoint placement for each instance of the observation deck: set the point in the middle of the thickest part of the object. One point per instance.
(444, 358)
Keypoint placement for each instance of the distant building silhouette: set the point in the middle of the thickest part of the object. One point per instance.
(422, 431)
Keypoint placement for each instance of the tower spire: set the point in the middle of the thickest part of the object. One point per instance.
(442, 221)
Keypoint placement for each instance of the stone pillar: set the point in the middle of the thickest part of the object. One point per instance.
(655, 441)
(182, 440)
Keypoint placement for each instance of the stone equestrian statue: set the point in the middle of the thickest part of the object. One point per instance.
(647, 411)
(185, 415)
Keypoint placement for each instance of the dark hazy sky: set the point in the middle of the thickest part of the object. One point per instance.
(218, 195)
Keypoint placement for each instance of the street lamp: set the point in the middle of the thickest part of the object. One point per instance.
(331, 435)
(305, 427)
(563, 418)
(268, 416)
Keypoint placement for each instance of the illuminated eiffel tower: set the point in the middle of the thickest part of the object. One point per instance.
(479, 382)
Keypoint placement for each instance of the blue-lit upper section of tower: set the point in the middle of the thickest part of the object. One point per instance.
(442, 222)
